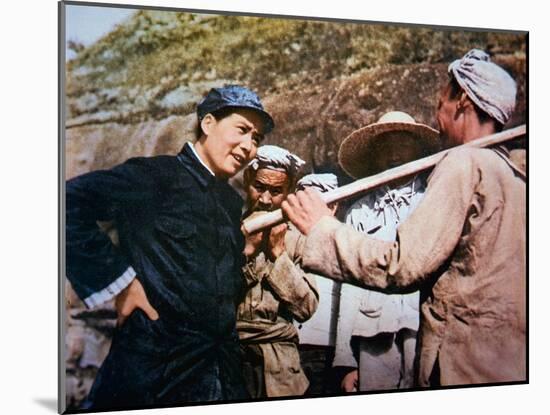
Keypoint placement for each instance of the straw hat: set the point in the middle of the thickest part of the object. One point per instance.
(357, 150)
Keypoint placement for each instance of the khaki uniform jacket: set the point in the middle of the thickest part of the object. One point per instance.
(465, 245)
(276, 294)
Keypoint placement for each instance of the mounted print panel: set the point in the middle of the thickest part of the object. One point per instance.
(260, 207)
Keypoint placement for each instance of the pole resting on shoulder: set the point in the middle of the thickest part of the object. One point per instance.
(267, 220)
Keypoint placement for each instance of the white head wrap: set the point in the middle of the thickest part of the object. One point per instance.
(489, 86)
(276, 158)
(323, 182)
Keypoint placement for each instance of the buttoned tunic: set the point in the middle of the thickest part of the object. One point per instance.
(179, 229)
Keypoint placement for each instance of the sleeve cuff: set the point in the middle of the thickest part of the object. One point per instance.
(317, 249)
(111, 290)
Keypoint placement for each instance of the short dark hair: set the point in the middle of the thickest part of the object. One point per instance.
(483, 117)
(456, 89)
(218, 115)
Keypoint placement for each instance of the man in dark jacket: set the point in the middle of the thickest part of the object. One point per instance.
(177, 273)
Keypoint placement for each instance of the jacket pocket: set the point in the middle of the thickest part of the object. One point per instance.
(176, 228)
(284, 375)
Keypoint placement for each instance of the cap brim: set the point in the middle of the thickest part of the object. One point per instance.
(269, 124)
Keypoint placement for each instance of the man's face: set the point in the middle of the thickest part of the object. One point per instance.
(396, 148)
(267, 189)
(231, 142)
(449, 120)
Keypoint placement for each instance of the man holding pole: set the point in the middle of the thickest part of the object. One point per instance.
(277, 289)
(463, 246)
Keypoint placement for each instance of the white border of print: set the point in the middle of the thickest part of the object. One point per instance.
(29, 208)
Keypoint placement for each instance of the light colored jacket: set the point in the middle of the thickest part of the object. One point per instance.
(465, 244)
(363, 312)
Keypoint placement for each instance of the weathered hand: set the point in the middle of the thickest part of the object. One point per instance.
(305, 209)
(131, 298)
(350, 381)
(276, 241)
(253, 241)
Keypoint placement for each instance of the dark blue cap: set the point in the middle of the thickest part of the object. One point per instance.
(234, 96)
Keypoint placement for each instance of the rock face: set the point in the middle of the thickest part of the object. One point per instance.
(317, 96)
(103, 145)
(311, 120)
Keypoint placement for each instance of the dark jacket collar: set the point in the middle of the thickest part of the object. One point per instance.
(190, 161)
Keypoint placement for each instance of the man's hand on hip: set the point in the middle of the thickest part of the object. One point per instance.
(131, 298)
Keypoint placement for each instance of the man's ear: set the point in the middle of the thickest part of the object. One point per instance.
(207, 123)
(464, 102)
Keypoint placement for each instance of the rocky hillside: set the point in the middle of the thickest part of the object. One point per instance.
(134, 93)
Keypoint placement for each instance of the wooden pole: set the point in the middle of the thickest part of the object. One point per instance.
(362, 185)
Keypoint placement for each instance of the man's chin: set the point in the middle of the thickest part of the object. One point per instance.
(231, 171)
(239, 167)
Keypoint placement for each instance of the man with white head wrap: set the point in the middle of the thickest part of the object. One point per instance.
(277, 290)
(480, 91)
(490, 87)
(276, 158)
(323, 182)
(464, 245)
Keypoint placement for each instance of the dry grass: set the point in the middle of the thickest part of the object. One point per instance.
(168, 48)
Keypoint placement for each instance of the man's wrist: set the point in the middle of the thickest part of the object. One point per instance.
(112, 290)
(275, 253)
